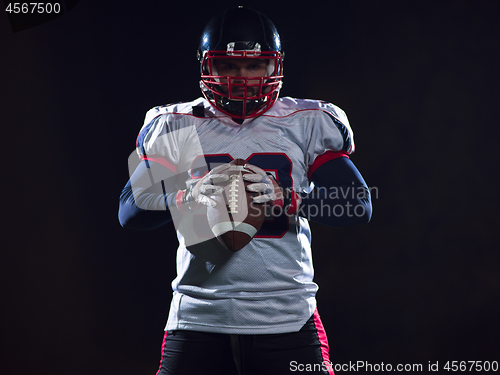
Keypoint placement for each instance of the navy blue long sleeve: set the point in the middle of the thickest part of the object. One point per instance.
(150, 211)
(340, 197)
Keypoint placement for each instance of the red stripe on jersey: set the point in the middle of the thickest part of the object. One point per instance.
(323, 158)
(323, 340)
(160, 160)
(164, 343)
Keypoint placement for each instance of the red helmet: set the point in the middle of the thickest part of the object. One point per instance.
(241, 33)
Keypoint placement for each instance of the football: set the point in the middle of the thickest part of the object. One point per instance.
(235, 219)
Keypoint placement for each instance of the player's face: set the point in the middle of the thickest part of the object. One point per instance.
(247, 68)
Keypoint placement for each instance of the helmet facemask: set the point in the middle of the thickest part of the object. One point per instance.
(241, 97)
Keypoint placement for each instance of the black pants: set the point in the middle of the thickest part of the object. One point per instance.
(193, 352)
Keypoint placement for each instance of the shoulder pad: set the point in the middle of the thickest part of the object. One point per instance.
(332, 109)
(291, 105)
(175, 108)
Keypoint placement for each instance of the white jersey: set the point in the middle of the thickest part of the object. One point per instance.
(266, 287)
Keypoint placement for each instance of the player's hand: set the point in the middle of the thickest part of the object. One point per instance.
(206, 186)
(199, 190)
(264, 184)
(272, 191)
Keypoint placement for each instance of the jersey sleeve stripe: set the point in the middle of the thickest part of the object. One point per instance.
(144, 135)
(346, 134)
(160, 160)
(323, 158)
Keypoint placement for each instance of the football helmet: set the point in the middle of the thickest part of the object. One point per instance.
(242, 34)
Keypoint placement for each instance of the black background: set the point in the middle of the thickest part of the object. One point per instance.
(419, 83)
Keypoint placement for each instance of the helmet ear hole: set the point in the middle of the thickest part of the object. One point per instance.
(243, 34)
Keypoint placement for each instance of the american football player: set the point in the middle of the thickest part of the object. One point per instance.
(252, 311)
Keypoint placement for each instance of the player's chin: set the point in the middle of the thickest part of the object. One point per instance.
(242, 95)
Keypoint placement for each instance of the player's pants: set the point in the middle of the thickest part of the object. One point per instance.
(193, 352)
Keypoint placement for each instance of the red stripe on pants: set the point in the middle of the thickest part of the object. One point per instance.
(323, 340)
